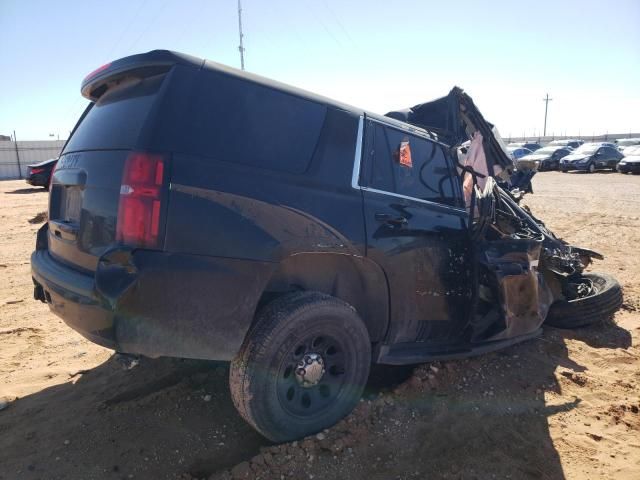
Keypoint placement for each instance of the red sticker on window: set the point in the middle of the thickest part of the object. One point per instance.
(405, 154)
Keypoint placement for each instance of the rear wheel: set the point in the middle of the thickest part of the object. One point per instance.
(590, 297)
(302, 367)
(591, 168)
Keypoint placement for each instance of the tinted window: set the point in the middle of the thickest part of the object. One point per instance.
(234, 120)
(610, 152)
(408, 165)
(116, 119)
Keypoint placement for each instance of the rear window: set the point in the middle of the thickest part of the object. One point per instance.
(238, 121)
(116, 119)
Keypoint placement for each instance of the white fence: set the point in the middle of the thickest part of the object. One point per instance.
(15, 158)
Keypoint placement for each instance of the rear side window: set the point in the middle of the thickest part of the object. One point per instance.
(407, 165)
(611, 152)
(116, 119)
(235, 120)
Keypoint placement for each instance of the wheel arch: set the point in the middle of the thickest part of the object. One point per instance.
(356, 280)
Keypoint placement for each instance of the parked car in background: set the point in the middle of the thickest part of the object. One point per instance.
(546, 158)
(567, 143)
(591, 157)
(624, 143)
(518, 152)
(39, 174)
(631, 161)
(533, 146)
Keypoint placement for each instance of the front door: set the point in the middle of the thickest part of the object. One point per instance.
(417, 231)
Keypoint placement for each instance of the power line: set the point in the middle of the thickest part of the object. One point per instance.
(324, 26)
(337, 20)
(133, 18)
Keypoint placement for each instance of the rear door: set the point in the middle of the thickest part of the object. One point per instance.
(85, 187)
(417, 231)
(613, 156)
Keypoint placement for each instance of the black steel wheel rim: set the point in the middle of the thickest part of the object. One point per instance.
(307, 401)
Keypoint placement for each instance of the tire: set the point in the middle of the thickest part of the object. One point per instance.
(268, 386)
(579, 312)
(563, 171)
(591, 168)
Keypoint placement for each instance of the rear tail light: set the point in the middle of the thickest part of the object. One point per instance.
(140, 200)
(37, 170)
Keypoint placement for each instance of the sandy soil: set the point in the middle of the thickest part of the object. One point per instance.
(563, 406)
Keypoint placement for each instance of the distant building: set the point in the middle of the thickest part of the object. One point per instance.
(5, 138)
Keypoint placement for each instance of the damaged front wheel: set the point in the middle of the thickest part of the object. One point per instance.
(589, 298)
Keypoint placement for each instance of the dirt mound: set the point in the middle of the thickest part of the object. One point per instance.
(39, 218)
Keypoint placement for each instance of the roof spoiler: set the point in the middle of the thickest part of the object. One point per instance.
(142, 65)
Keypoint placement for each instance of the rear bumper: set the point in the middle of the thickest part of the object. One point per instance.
(71, 296)
(528, 165)
(574, 166)
(629, 167)
(155, 303)
(38, 180)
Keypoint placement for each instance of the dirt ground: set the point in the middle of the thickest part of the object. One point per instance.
(563, 406)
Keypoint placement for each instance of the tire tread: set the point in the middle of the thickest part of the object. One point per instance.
(586, 311)
(258, 337)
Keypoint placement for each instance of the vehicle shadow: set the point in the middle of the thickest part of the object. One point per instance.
(23, 191)
(163, 416)
(167, 417)
(582, 172)
(488, 417)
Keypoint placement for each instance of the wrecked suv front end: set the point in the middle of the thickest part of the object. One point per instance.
(525, 275)
(535, 277)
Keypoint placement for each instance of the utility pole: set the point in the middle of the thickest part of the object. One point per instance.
(241, 47)
(15, 143)
(546, 101)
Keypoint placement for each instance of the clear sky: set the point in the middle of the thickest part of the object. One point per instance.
(377, 55)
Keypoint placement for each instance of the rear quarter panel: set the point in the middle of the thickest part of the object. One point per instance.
(222, 208)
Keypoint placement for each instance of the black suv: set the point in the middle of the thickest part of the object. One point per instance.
(202, 212)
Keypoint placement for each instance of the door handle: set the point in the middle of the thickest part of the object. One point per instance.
(387, 218)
